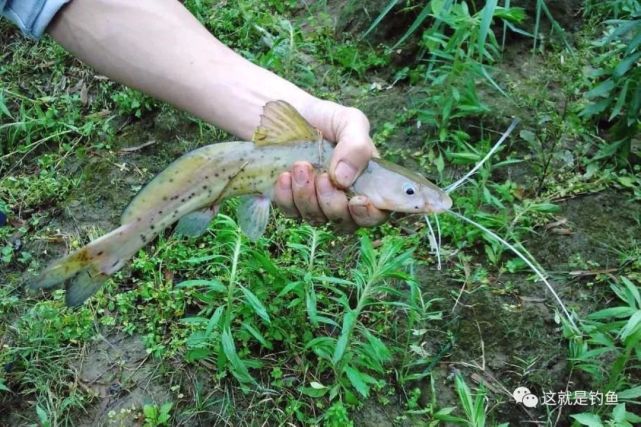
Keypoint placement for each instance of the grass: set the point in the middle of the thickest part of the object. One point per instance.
(306, 326)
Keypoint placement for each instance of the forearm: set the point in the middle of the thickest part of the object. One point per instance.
(157, 46)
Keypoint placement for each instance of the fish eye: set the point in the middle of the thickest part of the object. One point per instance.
(409, 189)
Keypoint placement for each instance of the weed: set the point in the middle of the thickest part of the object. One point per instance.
(157, 416)
(616, 90)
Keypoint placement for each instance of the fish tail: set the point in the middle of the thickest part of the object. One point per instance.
(86, 269)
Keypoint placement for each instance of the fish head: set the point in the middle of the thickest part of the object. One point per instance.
(394, 188)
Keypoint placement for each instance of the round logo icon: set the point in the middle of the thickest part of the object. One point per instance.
(520, 393)
(530, 401)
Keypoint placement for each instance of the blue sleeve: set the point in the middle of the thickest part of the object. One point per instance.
(31, 16)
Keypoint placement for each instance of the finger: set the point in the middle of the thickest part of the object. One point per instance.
(284, 197)
(304, 192)
(354, 148)
(333, 203)
(364, 213)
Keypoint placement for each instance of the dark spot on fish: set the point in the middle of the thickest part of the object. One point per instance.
(100, 253)
(193, 194)
(182, 200)
(175, 197)
(138, 219)
(171, 180)
(216, 174)
(115, 263)
(159, 212)
(165, 199)
(204, 187)
(153, 227)
(143, 238)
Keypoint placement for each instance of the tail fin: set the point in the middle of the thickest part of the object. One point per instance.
(86, 269)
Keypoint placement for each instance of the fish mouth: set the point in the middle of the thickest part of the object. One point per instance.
(443, 204)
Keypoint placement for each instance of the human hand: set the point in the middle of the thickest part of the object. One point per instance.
(320, 197)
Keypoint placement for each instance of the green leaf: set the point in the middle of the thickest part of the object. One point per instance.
(633, 289)
(310, 303)
(601, 90)
(618, 413)
(150, 411)
(528, 136)
(255, 303)
(165, 410)
(486, 22)
(213, 285)
(465, 395)
(612, 312)
(625, 64)
(588, 419)
(631, 393)
(239, 370)
(313, 392)
(42, 416)
(194, 354)
(214, 320)
(595, 108)
(256, 334)
(632, 325)
(357, 380)
(3, 106)
(620, 101)
(381, 352)
(382, 15)
(415, 25)
(341, 344)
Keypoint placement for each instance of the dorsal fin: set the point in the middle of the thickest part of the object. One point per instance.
(281, 123)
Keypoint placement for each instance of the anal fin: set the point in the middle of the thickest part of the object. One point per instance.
(195, 223)
(82, 286)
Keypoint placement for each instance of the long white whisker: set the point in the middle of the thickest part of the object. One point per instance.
(527, 261)
(434, 245)
(438, 229)
(507, 133)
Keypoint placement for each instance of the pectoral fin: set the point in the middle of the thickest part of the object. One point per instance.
(194, 224)
(253, 215)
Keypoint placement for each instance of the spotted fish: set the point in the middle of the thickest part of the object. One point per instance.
(190, 190)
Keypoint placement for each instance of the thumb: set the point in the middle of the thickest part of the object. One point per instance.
(354, 147)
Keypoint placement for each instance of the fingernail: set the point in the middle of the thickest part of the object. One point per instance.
(324, 185)
(301, 174)
(358, 206)
(345, 173)
(359, 201)
(285, 182)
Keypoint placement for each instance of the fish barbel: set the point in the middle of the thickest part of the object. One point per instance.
(190, 190)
